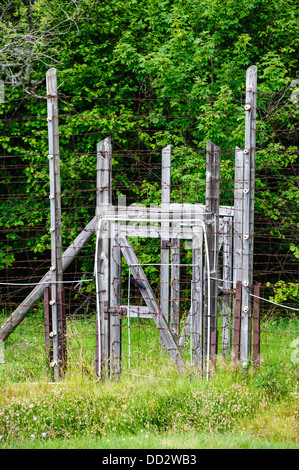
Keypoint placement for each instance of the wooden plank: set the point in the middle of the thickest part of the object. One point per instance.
(34, 296)
(256, 324)
(137, 311)
(48, 325)
(248, 193)
(55, 207)
(238, 217)
(227, 286)
(175, 287)
(212, 230)
(104, 198)
(151, 301)
(115, 301)
(165, 201)
(197, 301)
(151, 231)
(175, 212)
(253, 97)
(237, 322)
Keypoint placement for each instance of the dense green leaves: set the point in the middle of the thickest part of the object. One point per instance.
(149, 74)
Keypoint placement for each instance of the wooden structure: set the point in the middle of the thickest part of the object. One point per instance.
(211, 228)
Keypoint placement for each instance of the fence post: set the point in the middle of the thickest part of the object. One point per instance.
(227, 286)
(58, 306)
(237, 322)
(256, 324)
(104, 168)
(248, 201)
(165, 201)
(48, 325)
(212, 230)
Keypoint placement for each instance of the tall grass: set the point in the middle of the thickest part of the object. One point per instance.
(150, 397)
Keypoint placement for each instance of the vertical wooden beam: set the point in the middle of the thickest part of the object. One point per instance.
(212, 230)
(175, 286)
(59, 352)
(48, 325)
(238, 217)
(165, 201)
(227, 285)
(196, 319)
(256, 324)
(104, 198)
(115, 301)
(248, 201)
(237, 322)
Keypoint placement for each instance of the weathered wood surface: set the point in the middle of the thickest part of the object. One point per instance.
(248, 202)
(104, 199)
(227, 285)
(165, 252)
(212, 230)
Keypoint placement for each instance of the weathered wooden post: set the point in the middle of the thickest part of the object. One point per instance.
(104, 169)
(57, 298)
(256, 324)
(248, 202)
(237, 322)
(115, 303)
(238, 218)
(196, 319)
(212, 229)
(227, 286)
(165, 201)
(48, 325)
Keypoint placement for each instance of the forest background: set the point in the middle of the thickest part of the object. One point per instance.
(124, 67)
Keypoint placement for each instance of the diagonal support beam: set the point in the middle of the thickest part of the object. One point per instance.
(151, 301)
(22, 310)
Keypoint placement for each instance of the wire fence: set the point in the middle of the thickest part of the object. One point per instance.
(139, 129)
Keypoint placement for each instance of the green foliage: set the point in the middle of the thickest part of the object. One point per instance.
(177, 66)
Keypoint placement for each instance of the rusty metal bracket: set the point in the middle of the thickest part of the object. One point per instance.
(166, 244)
(114, 311)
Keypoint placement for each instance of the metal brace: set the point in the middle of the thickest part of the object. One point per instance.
(114, 311)
(166, 244)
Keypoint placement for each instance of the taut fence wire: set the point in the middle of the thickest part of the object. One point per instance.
(140, 130)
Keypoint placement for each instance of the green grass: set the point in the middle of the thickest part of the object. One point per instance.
(236, 408)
